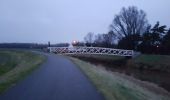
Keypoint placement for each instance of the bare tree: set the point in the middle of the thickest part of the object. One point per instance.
(104, 40)
(109, 38)
(89, 38)
(129, 21)
(98, 38)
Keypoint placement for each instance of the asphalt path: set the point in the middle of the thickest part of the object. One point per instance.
(57, 79)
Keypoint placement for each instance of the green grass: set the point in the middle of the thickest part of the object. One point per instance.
(158, 62)
(153, 59)
(114, 86)
(7, 62)
(149, 62)
(15, 65)
(106, 57)
(101, 57)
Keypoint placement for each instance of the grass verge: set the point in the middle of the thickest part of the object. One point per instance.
(115, 86)
(15, 65)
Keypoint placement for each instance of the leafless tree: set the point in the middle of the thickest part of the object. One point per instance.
(129, 21)
(109, 38)
(98, 38)
(104, 40)
(89, 38)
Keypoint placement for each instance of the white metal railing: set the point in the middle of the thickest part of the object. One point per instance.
(90, 50)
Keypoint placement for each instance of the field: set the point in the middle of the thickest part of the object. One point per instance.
(154, 62)
(151, 62)
(118, 78)
(15, 65)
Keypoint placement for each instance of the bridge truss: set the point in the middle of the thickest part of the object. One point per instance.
(90, 50)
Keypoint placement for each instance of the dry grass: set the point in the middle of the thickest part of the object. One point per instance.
(116, 87)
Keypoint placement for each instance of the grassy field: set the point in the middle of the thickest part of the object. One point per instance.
(7, 62)
(151, 62)
(15, 65)
(151, 68)
(115, 86)
(100, 57)
(154, 62)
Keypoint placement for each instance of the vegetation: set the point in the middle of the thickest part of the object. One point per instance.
(100, 57)
(153, 39)
(7, 62)
(31, 45)
(128, 30)
(89, 39)
(150, 68)
(15, 65)
(128, 25)
(131, 30)
(153, 62)
(148, 62)
(153, 59)
(115, 86)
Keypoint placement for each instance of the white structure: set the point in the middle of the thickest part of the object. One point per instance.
(90, 50)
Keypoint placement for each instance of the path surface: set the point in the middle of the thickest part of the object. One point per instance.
(57, 79)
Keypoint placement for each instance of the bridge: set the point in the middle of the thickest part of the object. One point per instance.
(90, 50)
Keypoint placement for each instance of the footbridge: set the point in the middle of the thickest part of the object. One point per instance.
(90, 50)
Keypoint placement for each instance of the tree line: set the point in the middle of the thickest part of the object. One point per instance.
(32, 45)
(130, 30)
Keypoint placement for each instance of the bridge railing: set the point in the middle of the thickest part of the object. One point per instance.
(90, 50)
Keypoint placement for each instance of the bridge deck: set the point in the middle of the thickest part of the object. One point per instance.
(90, 50)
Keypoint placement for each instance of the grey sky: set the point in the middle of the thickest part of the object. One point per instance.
(66, 20)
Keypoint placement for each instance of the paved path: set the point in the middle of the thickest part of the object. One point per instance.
(57, 79)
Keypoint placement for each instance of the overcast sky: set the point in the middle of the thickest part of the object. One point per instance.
(66, 20)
